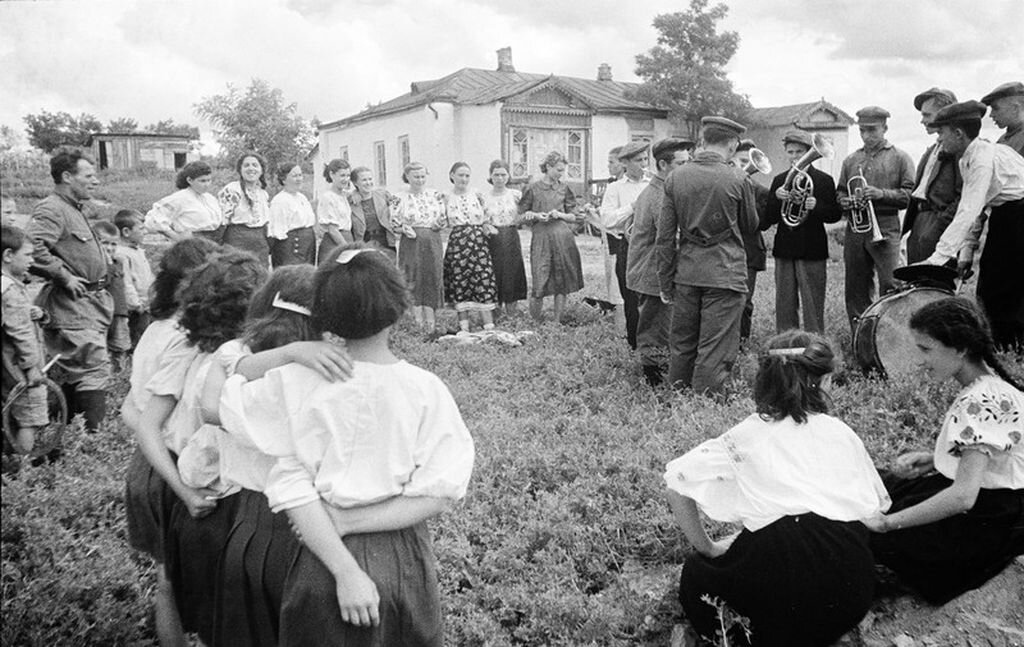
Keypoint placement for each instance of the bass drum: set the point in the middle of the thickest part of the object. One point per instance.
(882, 341)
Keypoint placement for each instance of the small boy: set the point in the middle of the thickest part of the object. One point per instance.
(22, 348)
(137, 271)
(119, 341)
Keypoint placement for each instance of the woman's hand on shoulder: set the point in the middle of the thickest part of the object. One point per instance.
(358, 598)
(329, 359)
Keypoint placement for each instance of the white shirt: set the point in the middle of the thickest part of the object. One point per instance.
(760, 471)
(333, 209)
(987, 415)
(289, 211)
(184, 212)
(162, 345)
(993, 175)
(617, 204)
(390, 430)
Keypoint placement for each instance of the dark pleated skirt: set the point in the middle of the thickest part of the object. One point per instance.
(1000, 288)
(401, 565)
(147, 504)
(248, 239)
(802, 581)
(299, 247)
(421, 260)
(194, 548)
(943, 559)
(468, 274)
(509, 270)
(259, 551)
(554, 259)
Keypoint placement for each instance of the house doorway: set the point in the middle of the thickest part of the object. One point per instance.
(179, 160)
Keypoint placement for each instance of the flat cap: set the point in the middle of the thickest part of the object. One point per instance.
(801, 137)
(723, 124)
(670, 144)
(932, 93)
(1011, 89)
(959, 113)
(632, 149)
(872, 115)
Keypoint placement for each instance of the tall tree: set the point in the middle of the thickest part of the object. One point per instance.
(257, 119)
(122, 125)
(49, 131)
(168, 127)
(685, 72)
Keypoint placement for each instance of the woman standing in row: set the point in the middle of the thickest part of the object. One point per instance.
(501, 206)
(468, 274)
(246, 207)
(548, 205)
(333, 212)
(371, 210)
(190, 210)
(291, 221)
(419, 216)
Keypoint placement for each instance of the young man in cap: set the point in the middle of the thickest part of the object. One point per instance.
(68, 255)
(889, 173)
(801, 252)
(934, 201)
(613, 299)
(709, 205)
(1007, 102)
(753, 243)
(993, 177)
(615, 217)
(641, 262)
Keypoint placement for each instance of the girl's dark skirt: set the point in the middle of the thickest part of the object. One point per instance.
(943, 559)
(468, 274)
(216, 235)
(421, 260)
(554, 259)
(248, 239)
(194, 548)
(259, 551)
(401, 563)
(299, 247)
(147, 501)
(802, 581)
(509, 270)
(327, 245)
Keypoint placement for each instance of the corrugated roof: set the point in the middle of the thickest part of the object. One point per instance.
(796, 114)
(472, 86)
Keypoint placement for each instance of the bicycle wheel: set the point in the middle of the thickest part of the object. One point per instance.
(49, 437)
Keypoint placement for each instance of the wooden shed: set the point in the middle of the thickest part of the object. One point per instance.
(132, 150)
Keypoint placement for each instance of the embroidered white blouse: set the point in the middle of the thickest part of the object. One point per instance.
(760, 471)
(184, 212)
(332, 208)
(502, 210)
(289, 211)
(425, 209)
(254, 212)
(465, 209)
(987, 415)
(391, 430)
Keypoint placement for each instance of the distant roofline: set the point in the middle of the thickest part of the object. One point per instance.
(139, 134)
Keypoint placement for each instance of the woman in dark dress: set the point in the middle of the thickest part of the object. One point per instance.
(501, 206)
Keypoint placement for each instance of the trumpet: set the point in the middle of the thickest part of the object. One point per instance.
(759, 163)
(799, 183)
(862, 213)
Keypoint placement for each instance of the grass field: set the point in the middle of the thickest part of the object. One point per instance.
(564, 537)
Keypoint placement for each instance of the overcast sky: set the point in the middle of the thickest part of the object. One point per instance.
(152, 60)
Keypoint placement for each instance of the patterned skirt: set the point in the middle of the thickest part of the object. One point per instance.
(554, 259)
(507, 259)
(421, 259)
(468, 274)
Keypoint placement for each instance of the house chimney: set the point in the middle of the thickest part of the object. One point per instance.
(505, 60)
(604, 72)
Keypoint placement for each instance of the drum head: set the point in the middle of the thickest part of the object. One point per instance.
(883, 339)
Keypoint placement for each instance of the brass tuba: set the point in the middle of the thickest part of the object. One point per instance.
(862, 213)
(759, 163)
(799, 183)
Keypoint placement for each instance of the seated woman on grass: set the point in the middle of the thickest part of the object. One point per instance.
(957, 517)
(799, 481)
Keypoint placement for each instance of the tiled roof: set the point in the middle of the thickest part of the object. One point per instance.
(471, 86)
(796, 114)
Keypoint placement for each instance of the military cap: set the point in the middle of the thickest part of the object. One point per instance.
(872, 115)
(722, 123)
(670, 144)
(959, 112)
(632, 149)
(801, 137)
(933, 93)
(1011, 89)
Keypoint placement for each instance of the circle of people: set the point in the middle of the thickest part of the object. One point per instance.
(287, 460)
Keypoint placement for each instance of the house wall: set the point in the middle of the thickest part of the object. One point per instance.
(131, 152)
(607, 132)
(477, 141)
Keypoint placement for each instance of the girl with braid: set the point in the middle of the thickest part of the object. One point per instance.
(957, 517)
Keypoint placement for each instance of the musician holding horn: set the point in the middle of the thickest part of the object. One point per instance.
(752, 161)
(875, 183)
(801, 206)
